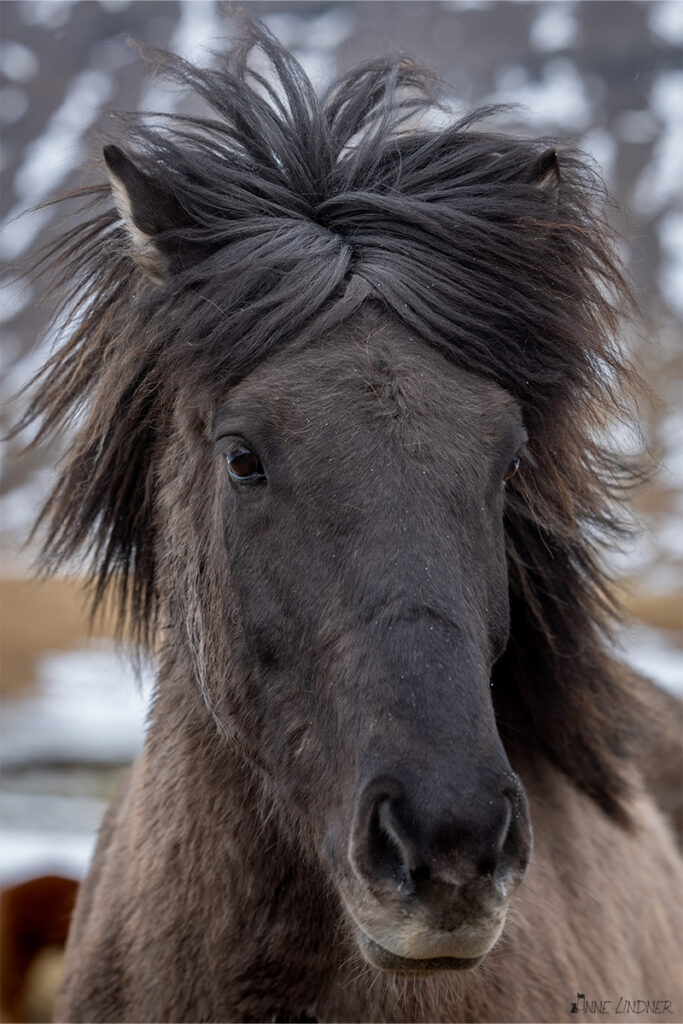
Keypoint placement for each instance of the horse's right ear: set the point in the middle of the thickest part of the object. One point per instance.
(148, 211)
(545, 172)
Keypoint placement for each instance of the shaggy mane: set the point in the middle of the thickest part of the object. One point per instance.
(293, 211)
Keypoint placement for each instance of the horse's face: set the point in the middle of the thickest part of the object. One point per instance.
(358, 520)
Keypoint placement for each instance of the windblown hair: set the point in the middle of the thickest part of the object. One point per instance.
(280, 214)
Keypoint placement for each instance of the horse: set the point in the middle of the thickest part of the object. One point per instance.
(339, 374)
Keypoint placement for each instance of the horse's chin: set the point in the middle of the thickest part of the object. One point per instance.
(385, 960)
(412, 943)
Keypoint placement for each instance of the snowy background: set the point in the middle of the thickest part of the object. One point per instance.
(607, 74)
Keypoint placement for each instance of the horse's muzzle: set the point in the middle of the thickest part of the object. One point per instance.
(430, 885)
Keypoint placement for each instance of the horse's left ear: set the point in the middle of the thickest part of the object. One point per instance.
(545, 172)
(148, 211)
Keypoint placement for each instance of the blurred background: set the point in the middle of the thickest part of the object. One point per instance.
(607, 74)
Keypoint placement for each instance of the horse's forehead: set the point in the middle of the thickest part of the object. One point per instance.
(380, 378)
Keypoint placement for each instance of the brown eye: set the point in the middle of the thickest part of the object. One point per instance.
(245, 465)
(512, 468)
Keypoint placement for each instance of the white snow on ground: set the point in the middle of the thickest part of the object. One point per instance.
(13, 104)
(31, 852)
(554, 27)
(57, 151)
(466, 5)
(660, 182)
(19, 509)
(313, 40)
(88, 709)
(558, 100)
(115, 6)
(602, 147)
(46, 833)
(666, 20)
(671, 435)
(670, 234)
(17, 62)
(670, 536)
(637, 127)
(52, 156)
(50, 14)
(654, 654)
(199, 30)
(634, 557)
(325, 31)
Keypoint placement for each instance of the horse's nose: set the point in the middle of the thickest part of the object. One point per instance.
(406, 846)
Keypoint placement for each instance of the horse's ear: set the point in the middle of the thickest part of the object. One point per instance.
(545, 172)
(148, 211)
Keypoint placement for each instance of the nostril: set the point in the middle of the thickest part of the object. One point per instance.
(499, 845)
(396, 852)
(389, 853)
(516, 842)
(506, 835)
(381, 850)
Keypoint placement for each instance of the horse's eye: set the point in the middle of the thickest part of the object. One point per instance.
(245, 465)
(512, 468)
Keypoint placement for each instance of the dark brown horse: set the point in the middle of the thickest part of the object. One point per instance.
(342, 381)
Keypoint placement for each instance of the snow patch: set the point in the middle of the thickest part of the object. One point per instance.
(660, 182)
(20, 506)
(313, 40)
(198, 30)
(554, 27)
(48, 14)
(558, 100)
(87, 708)
(324, 31)
(20, 229)
(52, 156)
(671, 435)
(666, 21)
(654, 653)
(29, 852)
(637, 127)
(466, 5)
(13, 104)
(115, 6)
(602, 147)
(670, 234)
(17, 62)
(670, 537)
